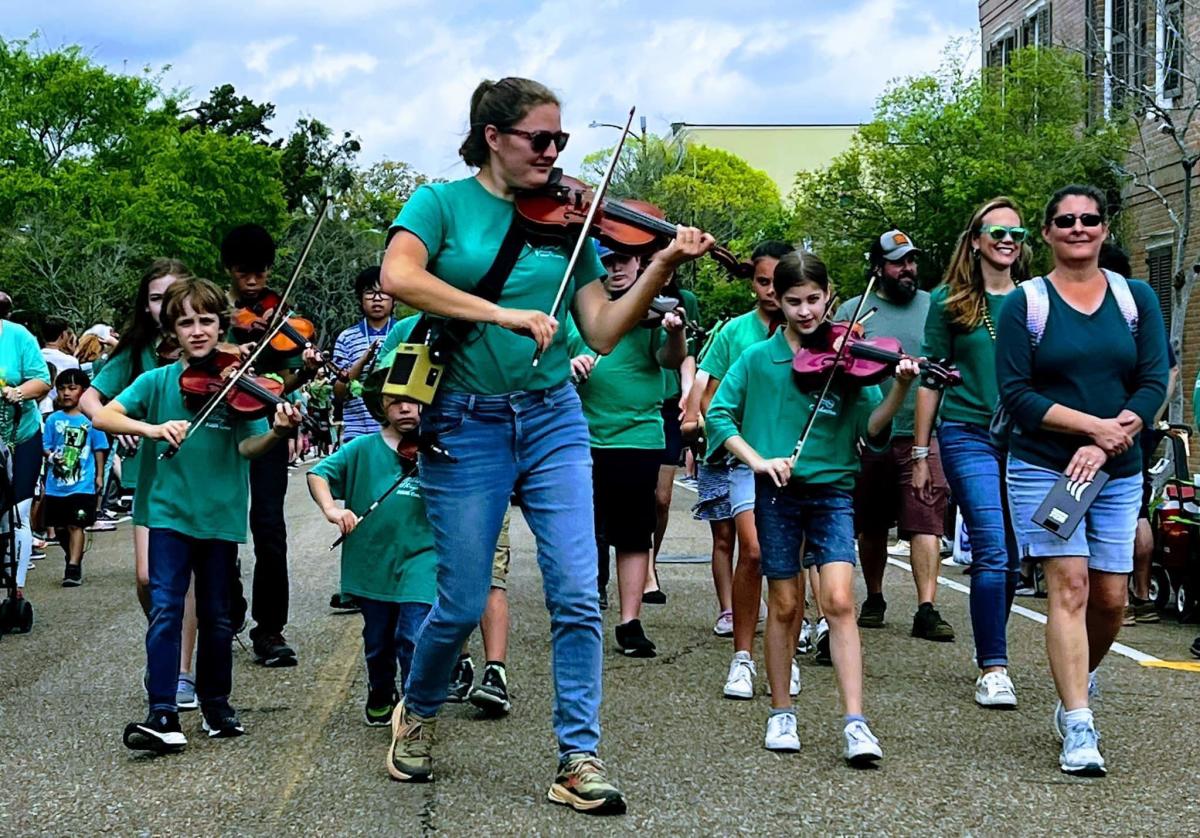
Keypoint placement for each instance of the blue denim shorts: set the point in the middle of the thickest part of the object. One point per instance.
(820, 518)
(1104, 537)
(712, 489)
(741, 489)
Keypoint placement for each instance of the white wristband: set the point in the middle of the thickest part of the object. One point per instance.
(920, 452)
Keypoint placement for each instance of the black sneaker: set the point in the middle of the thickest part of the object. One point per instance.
(344, 603)
(237, 612)
(272, 651)
(380, 704)
(633, 640)
(160, 733)
(491, 695)
(1196, 647)
(604, 600)
(1025, 586)
(72, 576)
(823, 656)
(929, 625)
(462, 678)
(872, 611)
(221, 722)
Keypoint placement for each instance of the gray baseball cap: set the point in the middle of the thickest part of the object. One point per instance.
(896, 245)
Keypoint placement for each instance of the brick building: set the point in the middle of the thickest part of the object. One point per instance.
(1125, 43)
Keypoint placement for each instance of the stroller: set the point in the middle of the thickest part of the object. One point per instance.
(1175, 520)
(16, 614)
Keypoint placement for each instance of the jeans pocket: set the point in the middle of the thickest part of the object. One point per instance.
(441, 423)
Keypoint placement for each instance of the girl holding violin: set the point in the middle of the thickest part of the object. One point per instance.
(757, 414)
(512, 425)
(195, 507)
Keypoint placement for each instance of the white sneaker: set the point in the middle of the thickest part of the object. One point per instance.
(804, 644)
(740, 683)
(724, 624)
(900, 548)
(781, 733)
(762, 615)
(794, 683)
(995, 689)
(1093, 686)
(862, 748)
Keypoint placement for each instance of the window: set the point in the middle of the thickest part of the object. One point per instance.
(1159, 264)
(1172, 58)
(1002, 49)
(1131, 55)
(1035, 32)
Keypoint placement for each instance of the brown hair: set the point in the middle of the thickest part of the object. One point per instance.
(501, 103)
(205, 296)
(965, 299)
(89, 348)
(797, 267)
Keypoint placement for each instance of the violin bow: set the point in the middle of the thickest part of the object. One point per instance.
(597, 200)
(278, 318)
(837, 360)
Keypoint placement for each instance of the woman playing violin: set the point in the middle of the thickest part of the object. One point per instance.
(512, 425)
(757, 414)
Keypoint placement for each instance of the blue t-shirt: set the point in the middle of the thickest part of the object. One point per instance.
(72, 444)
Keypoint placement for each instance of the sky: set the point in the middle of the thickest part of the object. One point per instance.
(399, 73)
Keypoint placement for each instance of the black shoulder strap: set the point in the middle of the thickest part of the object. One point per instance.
(455, 332)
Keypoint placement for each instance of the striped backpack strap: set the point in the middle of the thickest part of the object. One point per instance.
(1124, 297)
(1037, 308)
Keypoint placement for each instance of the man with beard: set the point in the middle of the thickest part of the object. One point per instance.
(885, 494)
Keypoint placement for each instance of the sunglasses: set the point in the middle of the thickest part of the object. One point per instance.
(1087, 219)
(539, 141)
(999, 232)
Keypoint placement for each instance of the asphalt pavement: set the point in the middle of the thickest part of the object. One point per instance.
(689, 761)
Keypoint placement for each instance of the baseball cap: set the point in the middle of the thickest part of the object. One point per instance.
(896, 245)
(601, 250)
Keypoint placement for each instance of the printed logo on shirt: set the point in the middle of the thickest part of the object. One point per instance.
(410, 488)
(69, 458)
(831, 405)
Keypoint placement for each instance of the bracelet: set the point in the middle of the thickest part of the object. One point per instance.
(920, 452)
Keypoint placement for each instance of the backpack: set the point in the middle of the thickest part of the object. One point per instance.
(1037, 312)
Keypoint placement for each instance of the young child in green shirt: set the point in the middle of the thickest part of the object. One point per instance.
(388, 562)
(195, 505)
(804, 504)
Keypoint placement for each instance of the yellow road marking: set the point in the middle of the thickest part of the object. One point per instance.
(1182, 666)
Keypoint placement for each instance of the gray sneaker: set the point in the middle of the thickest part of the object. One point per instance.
(1081, 752)
(185, 692)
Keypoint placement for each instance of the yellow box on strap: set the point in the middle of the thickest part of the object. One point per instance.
(413, 374)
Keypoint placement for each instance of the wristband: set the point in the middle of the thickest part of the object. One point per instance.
(920, 452)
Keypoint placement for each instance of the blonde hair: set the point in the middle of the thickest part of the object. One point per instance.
(965, 298)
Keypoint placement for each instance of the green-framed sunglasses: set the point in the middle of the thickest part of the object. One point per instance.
(999, 232)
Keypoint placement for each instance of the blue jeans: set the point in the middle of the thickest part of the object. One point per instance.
(389, 635)
(173, 558)
(975, 471)
(536, 445)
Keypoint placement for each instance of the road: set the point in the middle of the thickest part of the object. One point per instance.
(690, 762)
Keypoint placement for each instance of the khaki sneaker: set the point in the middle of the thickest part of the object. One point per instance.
(583, 784)
(409, 758)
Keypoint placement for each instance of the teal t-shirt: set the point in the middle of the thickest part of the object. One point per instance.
(904, 322)
(462, 225)
(759, 401)
(204, 490)
(389, 556)
(734, 338)
(20, 361)
(115, 376)
(973, 352)
(672, 382)
(622, 398)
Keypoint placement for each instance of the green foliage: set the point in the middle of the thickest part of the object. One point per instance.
(234, 116)
(939, 146)
(379, 192)
(313, 161)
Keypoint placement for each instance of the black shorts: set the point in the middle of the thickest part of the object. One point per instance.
(77, 510)
(674, 436)
(623, 485)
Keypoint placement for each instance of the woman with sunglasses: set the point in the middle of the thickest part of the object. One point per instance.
(1081, 365)
(513, 426)
(989, 261)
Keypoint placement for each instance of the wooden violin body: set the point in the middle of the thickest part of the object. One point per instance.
(252, 397)
(865, 361)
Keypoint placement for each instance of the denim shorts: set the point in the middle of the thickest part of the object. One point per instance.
(712, 489)
(1104, 537)
(820, 518)
(741, 489)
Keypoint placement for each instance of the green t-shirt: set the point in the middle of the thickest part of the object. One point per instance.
(397, 335)
(116, 375)
(736, 336)
(20, 361)
(204, 490)
(973, 352)
(390, 555)
(759, 400)
(672, 384)
(462, 225)
(906, 323)
(622, 399)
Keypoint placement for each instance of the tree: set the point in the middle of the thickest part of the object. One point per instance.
(940, 145)
(312, 162)
(227, 113)
(379, 192)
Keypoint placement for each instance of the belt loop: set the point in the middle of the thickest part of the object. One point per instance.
(471, 403)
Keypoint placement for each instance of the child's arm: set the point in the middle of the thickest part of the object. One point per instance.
(906, 371)
(345, 519)
(101, 457)
(287, 418)
(779, 469)
(112, 419)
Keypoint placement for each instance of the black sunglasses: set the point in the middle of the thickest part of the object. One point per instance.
(1087, 219)
(539, 141)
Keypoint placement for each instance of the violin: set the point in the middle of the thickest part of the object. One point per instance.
(168, 350)
(252, 397)
(249, 323)
(865, 361)
(557, 211)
